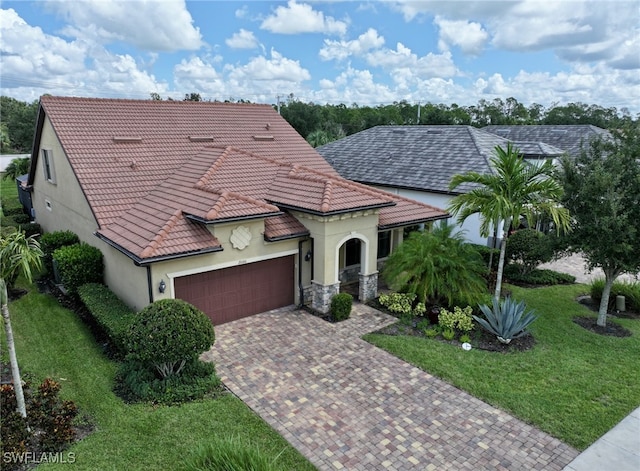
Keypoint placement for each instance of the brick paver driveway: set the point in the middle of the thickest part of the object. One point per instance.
(346, 404)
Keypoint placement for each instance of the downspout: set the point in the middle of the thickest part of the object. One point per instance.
(300, 287)
(149, 284)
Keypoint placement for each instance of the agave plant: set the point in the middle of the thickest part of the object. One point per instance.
(507, 320)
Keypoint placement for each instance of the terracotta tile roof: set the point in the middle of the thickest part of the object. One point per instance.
(155, 172)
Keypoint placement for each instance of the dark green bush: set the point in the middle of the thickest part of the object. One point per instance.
(30, 229)
(11, 210)
(513, 273)
(139, 382)
(341, 306)
(167, 334)
(52, 241)
(230, 455)
(21, 218)
(629, 289)
(485, 252)
(529, 248)
(79, 264)
(111, 314)
(50, 420)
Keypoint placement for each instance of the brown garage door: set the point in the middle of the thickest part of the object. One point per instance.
(236, 292)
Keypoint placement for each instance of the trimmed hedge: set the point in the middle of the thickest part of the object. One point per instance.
(537, 276)
(52, 241)
(341, 306)
(109, 312)
(79, 264)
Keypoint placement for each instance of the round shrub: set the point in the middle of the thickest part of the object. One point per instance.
(52, 241)
(341, 306)
(529, 248)
(167, 334)
(79, 264)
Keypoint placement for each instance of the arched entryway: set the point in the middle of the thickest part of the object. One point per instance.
(352, 263)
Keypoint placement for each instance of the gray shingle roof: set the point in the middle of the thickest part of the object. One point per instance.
(569, 137)
(419, 157)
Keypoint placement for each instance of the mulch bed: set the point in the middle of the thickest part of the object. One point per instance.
(611, 329)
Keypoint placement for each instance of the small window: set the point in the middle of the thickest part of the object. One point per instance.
(47, 165)
(384, 244)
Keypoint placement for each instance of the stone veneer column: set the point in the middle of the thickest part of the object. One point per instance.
(322, 295)
(368, 289)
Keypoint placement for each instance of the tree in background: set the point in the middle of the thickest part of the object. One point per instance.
(514, 189)
(19, 118)
(602, 192)
(16, 168)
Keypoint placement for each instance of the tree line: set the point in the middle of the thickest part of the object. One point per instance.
(320, 124)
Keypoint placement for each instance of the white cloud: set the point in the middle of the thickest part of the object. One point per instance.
(470, 37)
(355, 86)
(276, 68)
(243, 39)
(153, 25)
(429, 65)
(199, 76)
(340, 50)
(302, 18)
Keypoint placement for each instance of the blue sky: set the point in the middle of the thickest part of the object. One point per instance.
(369, 53)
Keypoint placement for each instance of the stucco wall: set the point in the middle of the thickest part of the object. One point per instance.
(471, 225)
(68, 210)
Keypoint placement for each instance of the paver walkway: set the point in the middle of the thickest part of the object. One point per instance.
(346, 404)
(575, 265)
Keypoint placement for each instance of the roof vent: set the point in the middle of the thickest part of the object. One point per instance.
(399, 131)
(263, 137)
(434, 131)
(126, 139)
(201, 138)
(267, 126)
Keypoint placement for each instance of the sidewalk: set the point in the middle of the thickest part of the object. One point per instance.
(575, 265)
(618, 449)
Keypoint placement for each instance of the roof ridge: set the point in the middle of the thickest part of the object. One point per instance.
(215, 166)
(471, 130)
(162, 234)
(326, 196)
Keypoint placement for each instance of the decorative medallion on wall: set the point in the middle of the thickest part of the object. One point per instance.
(240, 237)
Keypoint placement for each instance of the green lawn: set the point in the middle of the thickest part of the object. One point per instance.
(52, 342)
(573, 384)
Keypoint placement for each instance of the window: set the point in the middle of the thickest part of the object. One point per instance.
(47, 165)
(384, 244)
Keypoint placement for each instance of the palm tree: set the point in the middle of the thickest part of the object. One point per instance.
(438, 267)
(17, 167)
(514, 189)
(19, 255)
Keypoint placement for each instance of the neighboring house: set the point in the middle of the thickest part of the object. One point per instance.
(223, 205)
(570, 137)
(418, 162)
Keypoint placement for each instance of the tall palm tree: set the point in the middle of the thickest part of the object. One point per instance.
(19, 255)
(17, 167)
(514, 189)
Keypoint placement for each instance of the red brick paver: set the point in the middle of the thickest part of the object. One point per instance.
(346, 404)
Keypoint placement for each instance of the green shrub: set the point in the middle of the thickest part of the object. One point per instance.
(506, 320)
(431, 333)
(78, 264)
(341, 306)
(448, 334)
(167, 334)
(11, 210)
(52, 241)
(398, 303)
(140, 382)
(30, 229)
(485, 252)
(465, 338)
(111, 314)
(230, 455)
(439, 267)
(537, 276)
(22, 218)
(529, 248)
(629, 289)
(458, 320)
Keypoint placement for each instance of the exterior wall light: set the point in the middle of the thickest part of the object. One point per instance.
(162, 286)
(307, 257)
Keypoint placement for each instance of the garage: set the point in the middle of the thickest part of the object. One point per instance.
(233, 293)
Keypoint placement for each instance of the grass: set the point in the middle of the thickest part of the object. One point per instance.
(52, 342)
(574, 384)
